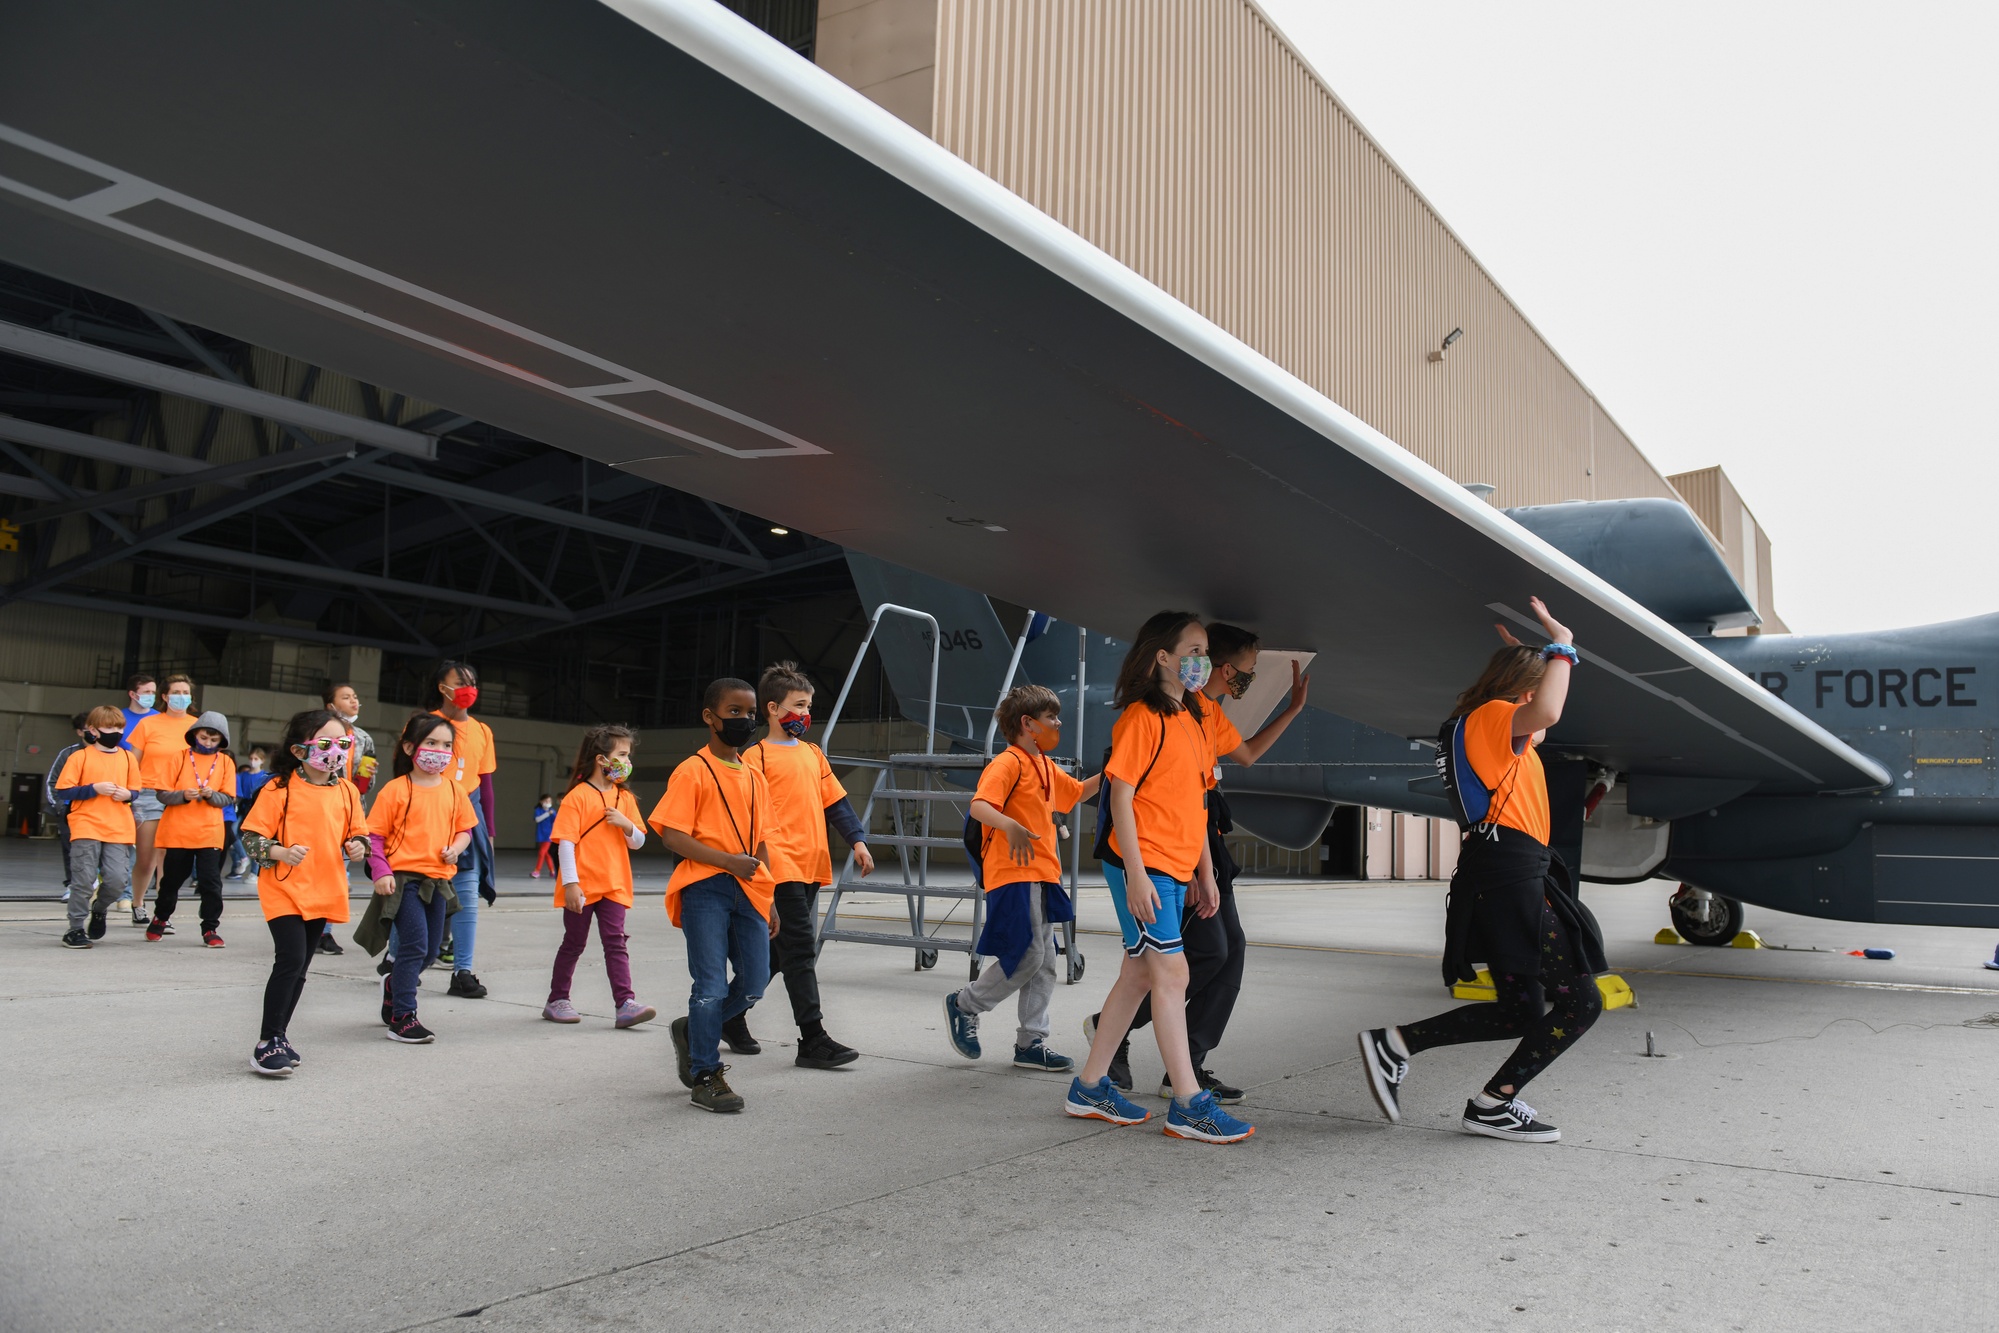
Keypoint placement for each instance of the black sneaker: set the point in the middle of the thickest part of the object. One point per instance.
(75, 939)
(683, 1059)
(1224, 1093)
(405, 1028)
(822, 1052)
(713, 1093)
(97, 923)
(1509, 1120)
(291, 1051)
(466, 987)
(327, 944)
(737, 1033)
(388, 995)
(269, 1060)
(1385, 1071)
(1121, 1065)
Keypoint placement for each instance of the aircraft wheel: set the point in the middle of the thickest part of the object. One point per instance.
(1711, 920)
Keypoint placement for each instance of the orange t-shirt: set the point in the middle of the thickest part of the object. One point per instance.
(101, 818)
(1223, 738)
(802, 785)
(322, 818)
(1170, 803)
(726, 807)
(158, 739)
(603, 856)
(1030, 788)
(472, 754)
(1515, 778)
(417, 823)
(196, 823)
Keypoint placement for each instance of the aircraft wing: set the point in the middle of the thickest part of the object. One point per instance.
(645, 232)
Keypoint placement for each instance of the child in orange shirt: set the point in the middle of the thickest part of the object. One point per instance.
(713, 817)
(301, 832)
(98, 782)
(596, 831)
(200, 783)
(804, 798)
(1018, 795)
(420, 827)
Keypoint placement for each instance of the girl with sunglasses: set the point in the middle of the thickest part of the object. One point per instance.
(301, 834)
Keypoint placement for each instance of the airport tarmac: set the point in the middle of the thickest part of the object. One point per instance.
(1813, 1152)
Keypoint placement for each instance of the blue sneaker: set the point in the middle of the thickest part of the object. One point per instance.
(1038, 1056)
(1103, 1102)
(1205, 1120)
(963, 1028)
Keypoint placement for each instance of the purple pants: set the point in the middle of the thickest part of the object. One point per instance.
(610, 933)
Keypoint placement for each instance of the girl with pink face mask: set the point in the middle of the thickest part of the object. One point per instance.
(420, 827)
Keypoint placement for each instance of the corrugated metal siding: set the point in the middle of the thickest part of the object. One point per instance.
(1188, 139)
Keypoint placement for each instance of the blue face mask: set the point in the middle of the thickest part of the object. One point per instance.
(1194, 672)
(179, 702)
(146, 698)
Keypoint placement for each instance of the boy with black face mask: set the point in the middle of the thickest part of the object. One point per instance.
(97, 783)
(712, 817)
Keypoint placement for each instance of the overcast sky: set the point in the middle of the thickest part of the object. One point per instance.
(1763, 234)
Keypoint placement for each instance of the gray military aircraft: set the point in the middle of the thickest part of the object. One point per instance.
(670, 244)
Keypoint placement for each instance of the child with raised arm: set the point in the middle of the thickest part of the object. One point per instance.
(200, 787)
(97, 783)
(302, 832)
(1157, 861)
(713, 817)
(804, 798)
(1018, 795)
(420, 827)
(596, 831)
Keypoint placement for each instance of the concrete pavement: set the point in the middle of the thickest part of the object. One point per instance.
(1815, 1153)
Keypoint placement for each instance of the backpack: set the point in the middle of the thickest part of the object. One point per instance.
(1471, 800)
(975, 834)
(1102, 848)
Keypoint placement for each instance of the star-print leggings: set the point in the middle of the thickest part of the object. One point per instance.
(1548, 1013)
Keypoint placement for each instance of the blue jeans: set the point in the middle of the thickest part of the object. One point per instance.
(419, 932)
(724, 934)
(465, 923)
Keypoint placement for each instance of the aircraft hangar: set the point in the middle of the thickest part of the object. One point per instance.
(159, 522)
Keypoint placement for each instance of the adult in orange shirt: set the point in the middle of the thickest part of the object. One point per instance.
(159, 740)
(713, 817)
(1216, 945)
(473, 761)
(597, 828)
(1512, 904)
(1021, 872)
(200, 785)
(1158, 866)
(419, 829)
(804, 798)
(301, 832)
(97, 782)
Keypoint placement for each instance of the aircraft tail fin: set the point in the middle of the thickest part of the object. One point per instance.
(975, 646)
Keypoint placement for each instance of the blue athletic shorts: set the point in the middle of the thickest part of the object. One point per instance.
(1163, 935)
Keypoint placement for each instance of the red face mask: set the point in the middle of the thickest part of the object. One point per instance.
(465, 696)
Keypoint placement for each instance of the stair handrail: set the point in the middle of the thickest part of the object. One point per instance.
(874, 623)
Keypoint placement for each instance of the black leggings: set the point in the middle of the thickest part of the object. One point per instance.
(294, 939)
(1547, 1014)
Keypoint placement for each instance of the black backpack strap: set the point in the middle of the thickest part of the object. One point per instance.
(724, 797)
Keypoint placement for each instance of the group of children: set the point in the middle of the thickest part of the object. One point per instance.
(747, 816)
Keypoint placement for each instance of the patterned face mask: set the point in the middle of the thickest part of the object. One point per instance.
(617, 770)
(1239, 682)
(432, 758)
(795, 725)
(1194, 672)
(327, 754)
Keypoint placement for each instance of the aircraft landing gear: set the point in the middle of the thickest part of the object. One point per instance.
(1705, 918)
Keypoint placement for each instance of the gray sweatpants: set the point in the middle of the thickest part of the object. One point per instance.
(88, 859)
(1034, 979)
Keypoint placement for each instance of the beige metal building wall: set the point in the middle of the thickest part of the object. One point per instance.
(1191, 141)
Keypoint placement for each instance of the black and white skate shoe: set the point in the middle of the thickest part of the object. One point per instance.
(1385, 1071)
(1509, 1120)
